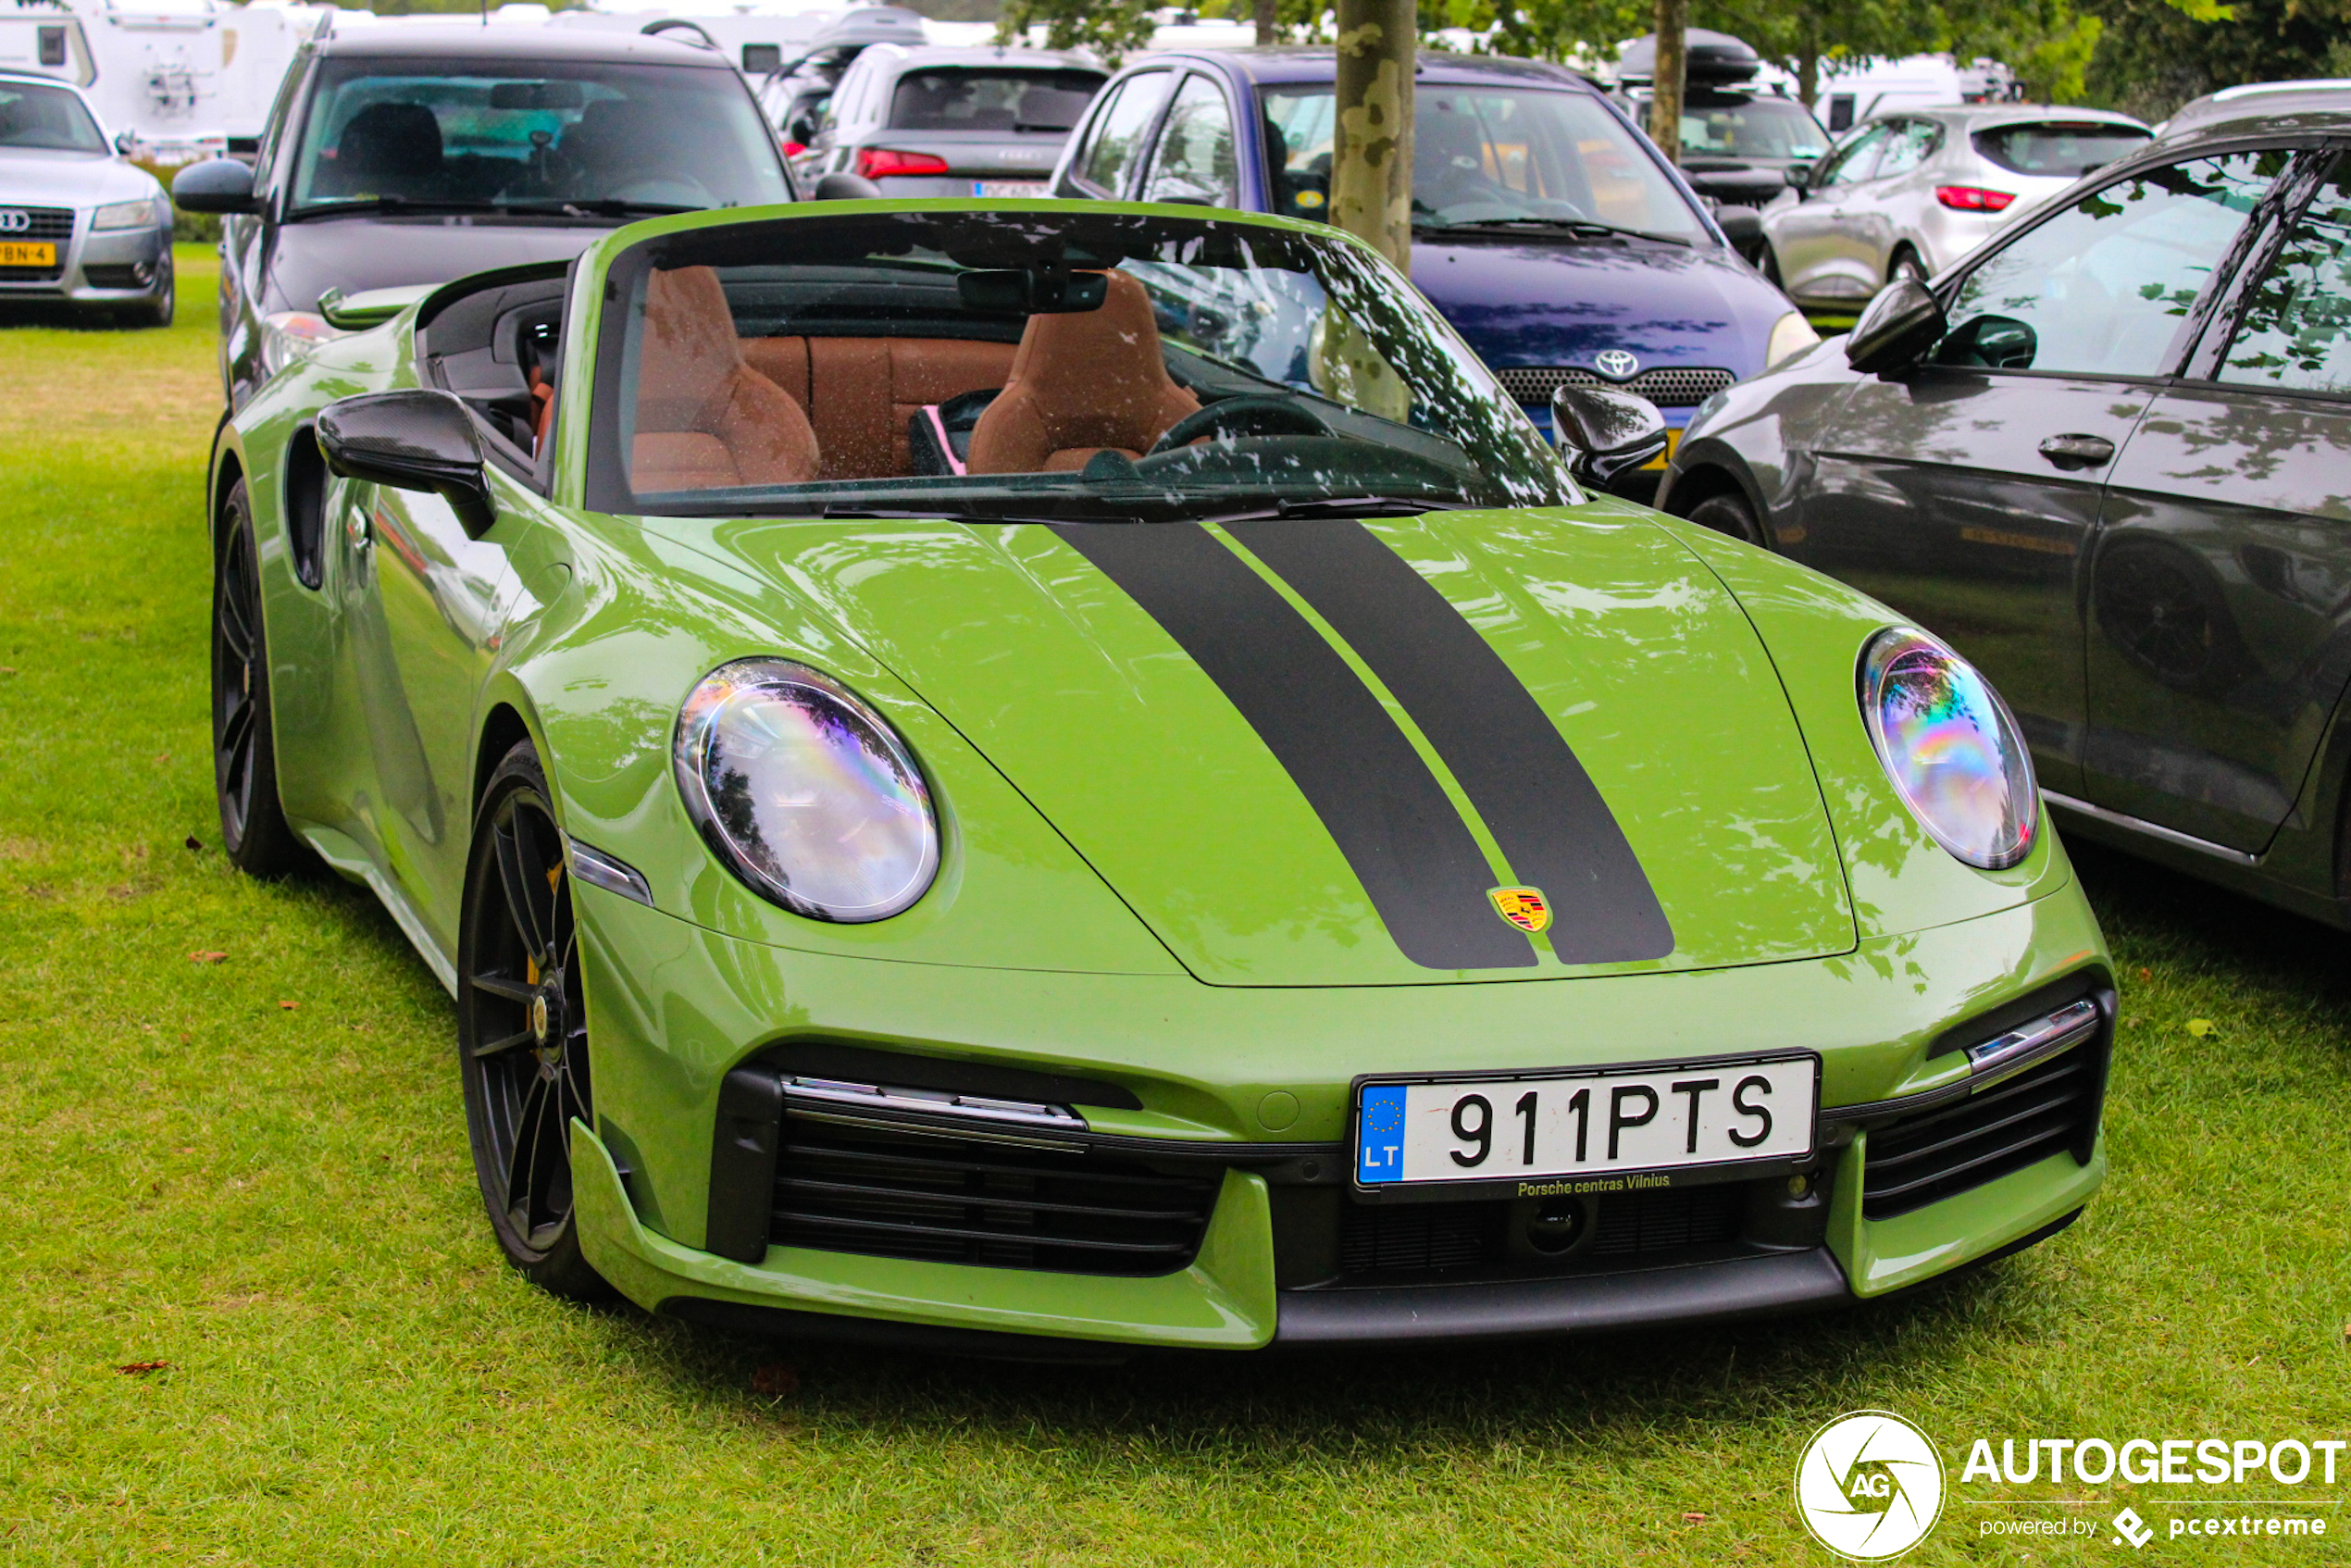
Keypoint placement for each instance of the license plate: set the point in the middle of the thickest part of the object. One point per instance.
(1008, 187)
(1673, 440)
(28, 252)
(1597, 1131)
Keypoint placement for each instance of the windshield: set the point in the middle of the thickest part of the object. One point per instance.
(1760, 128)
(991, 100)
(2068, 151)
(544, 135)
(1020, 365)
(1488, 155)
(49, 119)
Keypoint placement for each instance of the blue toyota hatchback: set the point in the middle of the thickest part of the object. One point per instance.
(1547, 228)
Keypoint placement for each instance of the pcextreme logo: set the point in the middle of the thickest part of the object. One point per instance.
(1869, 1486)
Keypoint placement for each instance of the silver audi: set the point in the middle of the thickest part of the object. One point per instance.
(1907, 192)
(79, 223)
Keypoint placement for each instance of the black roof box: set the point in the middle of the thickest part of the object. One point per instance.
(1715, 58)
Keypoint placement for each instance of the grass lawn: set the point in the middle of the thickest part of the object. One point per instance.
(254, 1171)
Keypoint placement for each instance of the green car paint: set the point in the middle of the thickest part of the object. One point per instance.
(1132, 889)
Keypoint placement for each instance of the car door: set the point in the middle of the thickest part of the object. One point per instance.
(1965, 491)
(1194, 159)
(2220, 640)
(1885, 205)
(1105, 166)
(424, 605)
(1808, 239)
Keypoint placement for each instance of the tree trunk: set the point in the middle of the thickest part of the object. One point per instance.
(1665, 90)
(1268, 26)
(1807, 68)
(1372, 156)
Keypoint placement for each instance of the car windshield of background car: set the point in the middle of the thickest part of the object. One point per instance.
(1194, 160)
(2059, 150)
(2104, 288)
(1202, 368)
(1010, 101)
(2295, 331)
(536, 135)
(1760, 128)
(46, 119)
(1489, 155)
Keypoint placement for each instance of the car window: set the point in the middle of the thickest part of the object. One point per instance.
(1499, 155)
(2055, 149)
(1194, 159)
(46, 119)
(2103, 287)
(460, 134)
(1760, 128)
(2293, 332)
(963, 98)
(1911, 144)
(1171, 367)
(1851, 162)
(1118, 131)
(1298, 130)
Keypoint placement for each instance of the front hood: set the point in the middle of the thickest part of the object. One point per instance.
(68, 179)
(1477, 702)
(358, 254)
(1533, 301)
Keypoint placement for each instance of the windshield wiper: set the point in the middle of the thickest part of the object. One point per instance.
(598, 206)
(1341, 506)
(594, 206)
(1591, 226)
(384, 203)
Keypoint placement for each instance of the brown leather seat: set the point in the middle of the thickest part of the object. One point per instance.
(1082, 382)
(860, 392)
(704, 418)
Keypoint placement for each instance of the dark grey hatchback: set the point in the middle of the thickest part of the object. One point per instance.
(2108, 457)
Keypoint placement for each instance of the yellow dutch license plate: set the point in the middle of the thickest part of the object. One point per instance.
(28, 252)
(1673, 440)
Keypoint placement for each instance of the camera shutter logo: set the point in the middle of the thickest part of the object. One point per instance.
(14, 220)
(1615, 363)
(1870, 1486)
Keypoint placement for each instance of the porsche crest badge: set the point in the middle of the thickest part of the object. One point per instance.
(1523, 908)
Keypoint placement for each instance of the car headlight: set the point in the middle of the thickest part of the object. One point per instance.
(1954, 755)
(287, 335)
(1790, 335)
(805, 792)
(140, 214)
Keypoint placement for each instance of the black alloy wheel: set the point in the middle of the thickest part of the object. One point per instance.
(522, 1029)
(2159, 605)
(245, 749)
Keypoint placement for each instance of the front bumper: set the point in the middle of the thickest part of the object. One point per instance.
(1208, 1067)
(116, 266)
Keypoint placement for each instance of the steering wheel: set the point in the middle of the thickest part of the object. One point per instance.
(1253, 416)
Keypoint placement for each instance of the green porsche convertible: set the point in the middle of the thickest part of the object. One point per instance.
(1044, 779)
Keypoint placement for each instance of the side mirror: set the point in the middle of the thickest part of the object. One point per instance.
(126, 143)
(1896, 330)
(1743, 225)
(845, 187)
(1800, 175)
(215, 185)
(1605, 433)
(411, 441)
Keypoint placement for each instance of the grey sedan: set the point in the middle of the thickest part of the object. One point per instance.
(952, 122)
(1910, 191)
(78, 224)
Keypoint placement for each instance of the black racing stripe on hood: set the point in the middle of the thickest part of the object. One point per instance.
(1400, 831)
(1543, 809)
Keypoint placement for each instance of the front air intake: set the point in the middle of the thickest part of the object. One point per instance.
(1930, 1155)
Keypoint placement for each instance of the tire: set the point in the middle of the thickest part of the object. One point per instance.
(522, 1030)
(1729, 513)
(166, 304)
(244, 744)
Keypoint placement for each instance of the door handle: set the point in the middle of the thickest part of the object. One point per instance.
(2078, 452)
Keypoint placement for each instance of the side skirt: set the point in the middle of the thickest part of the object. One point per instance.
(341, 852)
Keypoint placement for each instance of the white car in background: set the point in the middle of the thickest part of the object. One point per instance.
(78, 224)
(1906, 194)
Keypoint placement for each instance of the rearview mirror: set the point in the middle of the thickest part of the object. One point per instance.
(1605, 433)
(1032, 290)
(215, 185)
(414, 439)
(126, 143)
(556, 95)
(1896, 330)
